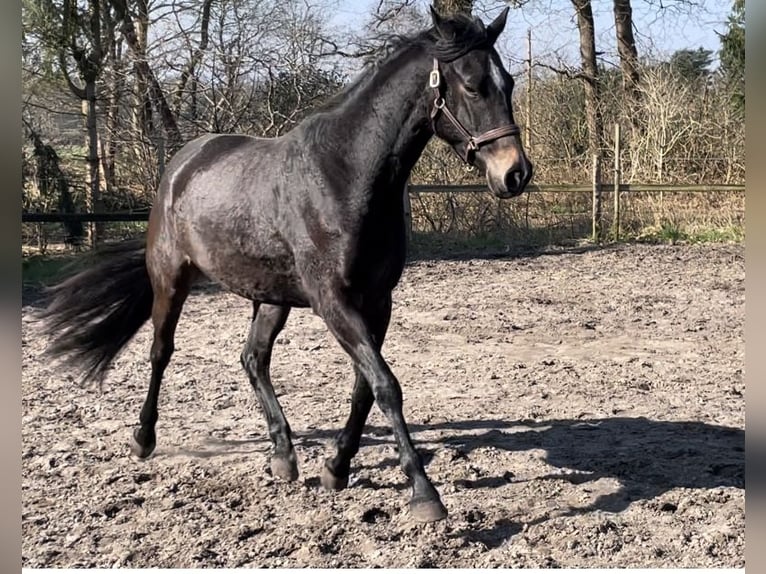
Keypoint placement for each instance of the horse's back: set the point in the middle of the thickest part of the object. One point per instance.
(205, 158)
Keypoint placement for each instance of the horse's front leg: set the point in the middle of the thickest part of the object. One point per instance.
(348, 326)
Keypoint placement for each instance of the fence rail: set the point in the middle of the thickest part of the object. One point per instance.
(107, 217)
(585, 188)
(606, 187)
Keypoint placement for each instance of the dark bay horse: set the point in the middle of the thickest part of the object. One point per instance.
(310, 219)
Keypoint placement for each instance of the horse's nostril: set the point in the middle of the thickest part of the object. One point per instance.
(514, 179)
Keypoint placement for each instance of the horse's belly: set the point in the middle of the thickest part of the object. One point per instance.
(250, 262)
(260, 278)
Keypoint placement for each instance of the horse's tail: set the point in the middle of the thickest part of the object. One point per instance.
(92, 315)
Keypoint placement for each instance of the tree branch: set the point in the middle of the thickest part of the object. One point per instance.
(166, 114)
(570, 73)
(188, 70)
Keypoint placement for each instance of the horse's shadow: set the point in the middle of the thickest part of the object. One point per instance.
(647, 457)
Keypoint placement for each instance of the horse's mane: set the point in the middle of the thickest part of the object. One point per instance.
(467, 34)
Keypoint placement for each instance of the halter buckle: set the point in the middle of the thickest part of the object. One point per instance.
(434, 79)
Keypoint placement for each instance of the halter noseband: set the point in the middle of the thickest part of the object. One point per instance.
(472, 142)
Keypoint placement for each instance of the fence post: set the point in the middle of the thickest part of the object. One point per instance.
(617, 170)
(528, 127)
(596, 203)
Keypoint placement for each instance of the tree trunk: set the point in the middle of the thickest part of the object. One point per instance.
(89, 64)
(115, 83)
(142, 106)
(590, 76)
(626, 47)
(94, 196)
(157, 94)
(187, 73)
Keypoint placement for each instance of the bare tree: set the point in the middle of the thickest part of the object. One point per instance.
(196, 56)
(112, 86)
(137, 45)
(590, 74)
(626, 48)
(77, 33)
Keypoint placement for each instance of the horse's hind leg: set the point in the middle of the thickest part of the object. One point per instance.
(268, 321)
(336, 469)
(170, 292)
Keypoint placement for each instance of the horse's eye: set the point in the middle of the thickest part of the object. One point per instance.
(471, 92)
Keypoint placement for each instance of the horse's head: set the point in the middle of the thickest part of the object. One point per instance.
(471, 103)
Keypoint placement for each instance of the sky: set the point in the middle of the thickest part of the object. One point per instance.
(660, 27)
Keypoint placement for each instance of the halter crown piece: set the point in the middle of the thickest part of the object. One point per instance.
(472, 143)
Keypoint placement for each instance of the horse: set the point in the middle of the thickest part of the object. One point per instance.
(313, 218)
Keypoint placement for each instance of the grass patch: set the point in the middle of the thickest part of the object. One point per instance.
(723, 235)
(673, 233)
(45, 270)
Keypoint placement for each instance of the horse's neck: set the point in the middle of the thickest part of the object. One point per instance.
(387, 128)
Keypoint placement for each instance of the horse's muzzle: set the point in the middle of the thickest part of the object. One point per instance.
(513, 182)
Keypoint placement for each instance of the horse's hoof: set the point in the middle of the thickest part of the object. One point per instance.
(427, 510)
(332, 482)
(141, 449)
(284, 468)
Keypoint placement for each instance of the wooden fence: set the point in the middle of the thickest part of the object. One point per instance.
(597, 190)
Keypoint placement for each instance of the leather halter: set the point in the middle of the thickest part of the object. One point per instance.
(472, 143)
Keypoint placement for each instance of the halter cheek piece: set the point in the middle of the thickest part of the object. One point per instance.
(472, 143)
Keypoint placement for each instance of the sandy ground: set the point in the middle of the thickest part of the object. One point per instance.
(575, 409)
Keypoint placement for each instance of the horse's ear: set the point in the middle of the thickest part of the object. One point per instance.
(440, 24)
(497, 25)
